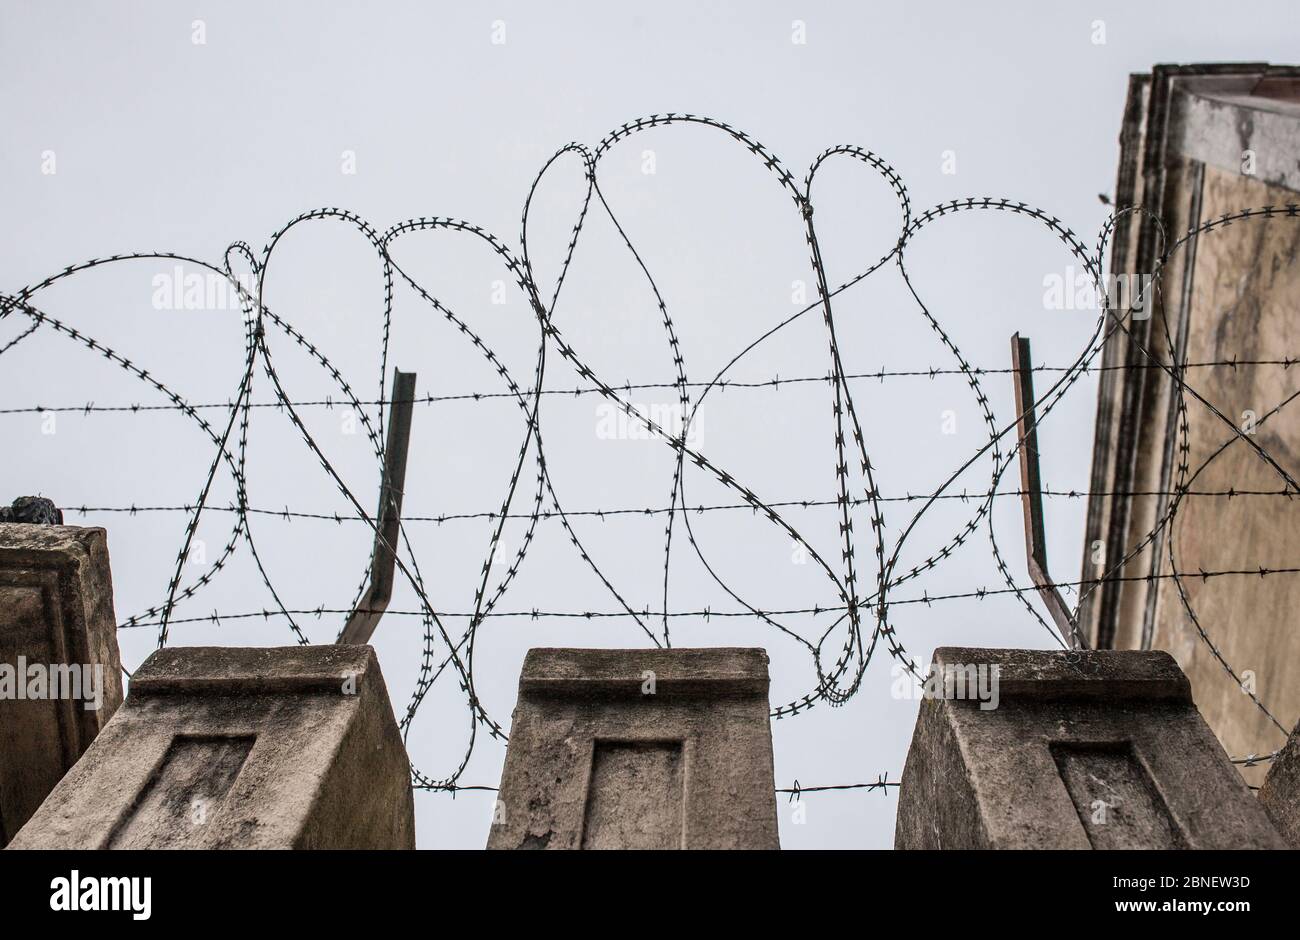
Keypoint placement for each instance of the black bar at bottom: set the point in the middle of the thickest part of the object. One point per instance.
(452, 890)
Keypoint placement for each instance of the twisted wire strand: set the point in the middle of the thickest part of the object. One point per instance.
(861, 616)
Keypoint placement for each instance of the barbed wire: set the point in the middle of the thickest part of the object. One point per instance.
(841, 654)
(338, 518)
(707, 613)
(775, 383)
(796, 792)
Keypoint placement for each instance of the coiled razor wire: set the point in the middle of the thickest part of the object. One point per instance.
(862, 620)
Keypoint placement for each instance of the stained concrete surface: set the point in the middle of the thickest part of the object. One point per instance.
(639, 749)
(1092, 749)
(292, 747)
(56, 610)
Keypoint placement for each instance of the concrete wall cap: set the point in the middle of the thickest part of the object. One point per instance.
(20, 537)
(715, 670)
(1150, 675)
(220, 669)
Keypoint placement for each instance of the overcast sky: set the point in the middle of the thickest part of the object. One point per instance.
(182, 127)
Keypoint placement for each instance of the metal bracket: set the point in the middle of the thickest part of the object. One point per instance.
(1031, 489)
(363, 621)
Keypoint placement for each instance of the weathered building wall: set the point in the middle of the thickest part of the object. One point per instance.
(1200, 142)
(1244, 304)
(56, 614)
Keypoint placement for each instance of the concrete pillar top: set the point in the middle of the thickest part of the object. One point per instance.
(1074, 674)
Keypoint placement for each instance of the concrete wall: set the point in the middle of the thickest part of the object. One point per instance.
(1232, 292)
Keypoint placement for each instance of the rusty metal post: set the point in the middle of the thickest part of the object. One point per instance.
(363, 621)
(1031, 490)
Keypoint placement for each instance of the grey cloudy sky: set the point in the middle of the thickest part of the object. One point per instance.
(125, 134)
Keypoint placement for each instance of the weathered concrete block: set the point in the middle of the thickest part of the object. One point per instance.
(1280, 792)
(292, 747)
(660, 749)
(1100, 749)
(60, 675)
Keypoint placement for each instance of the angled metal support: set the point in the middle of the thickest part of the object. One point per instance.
(1031, 489)
(383, 560)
